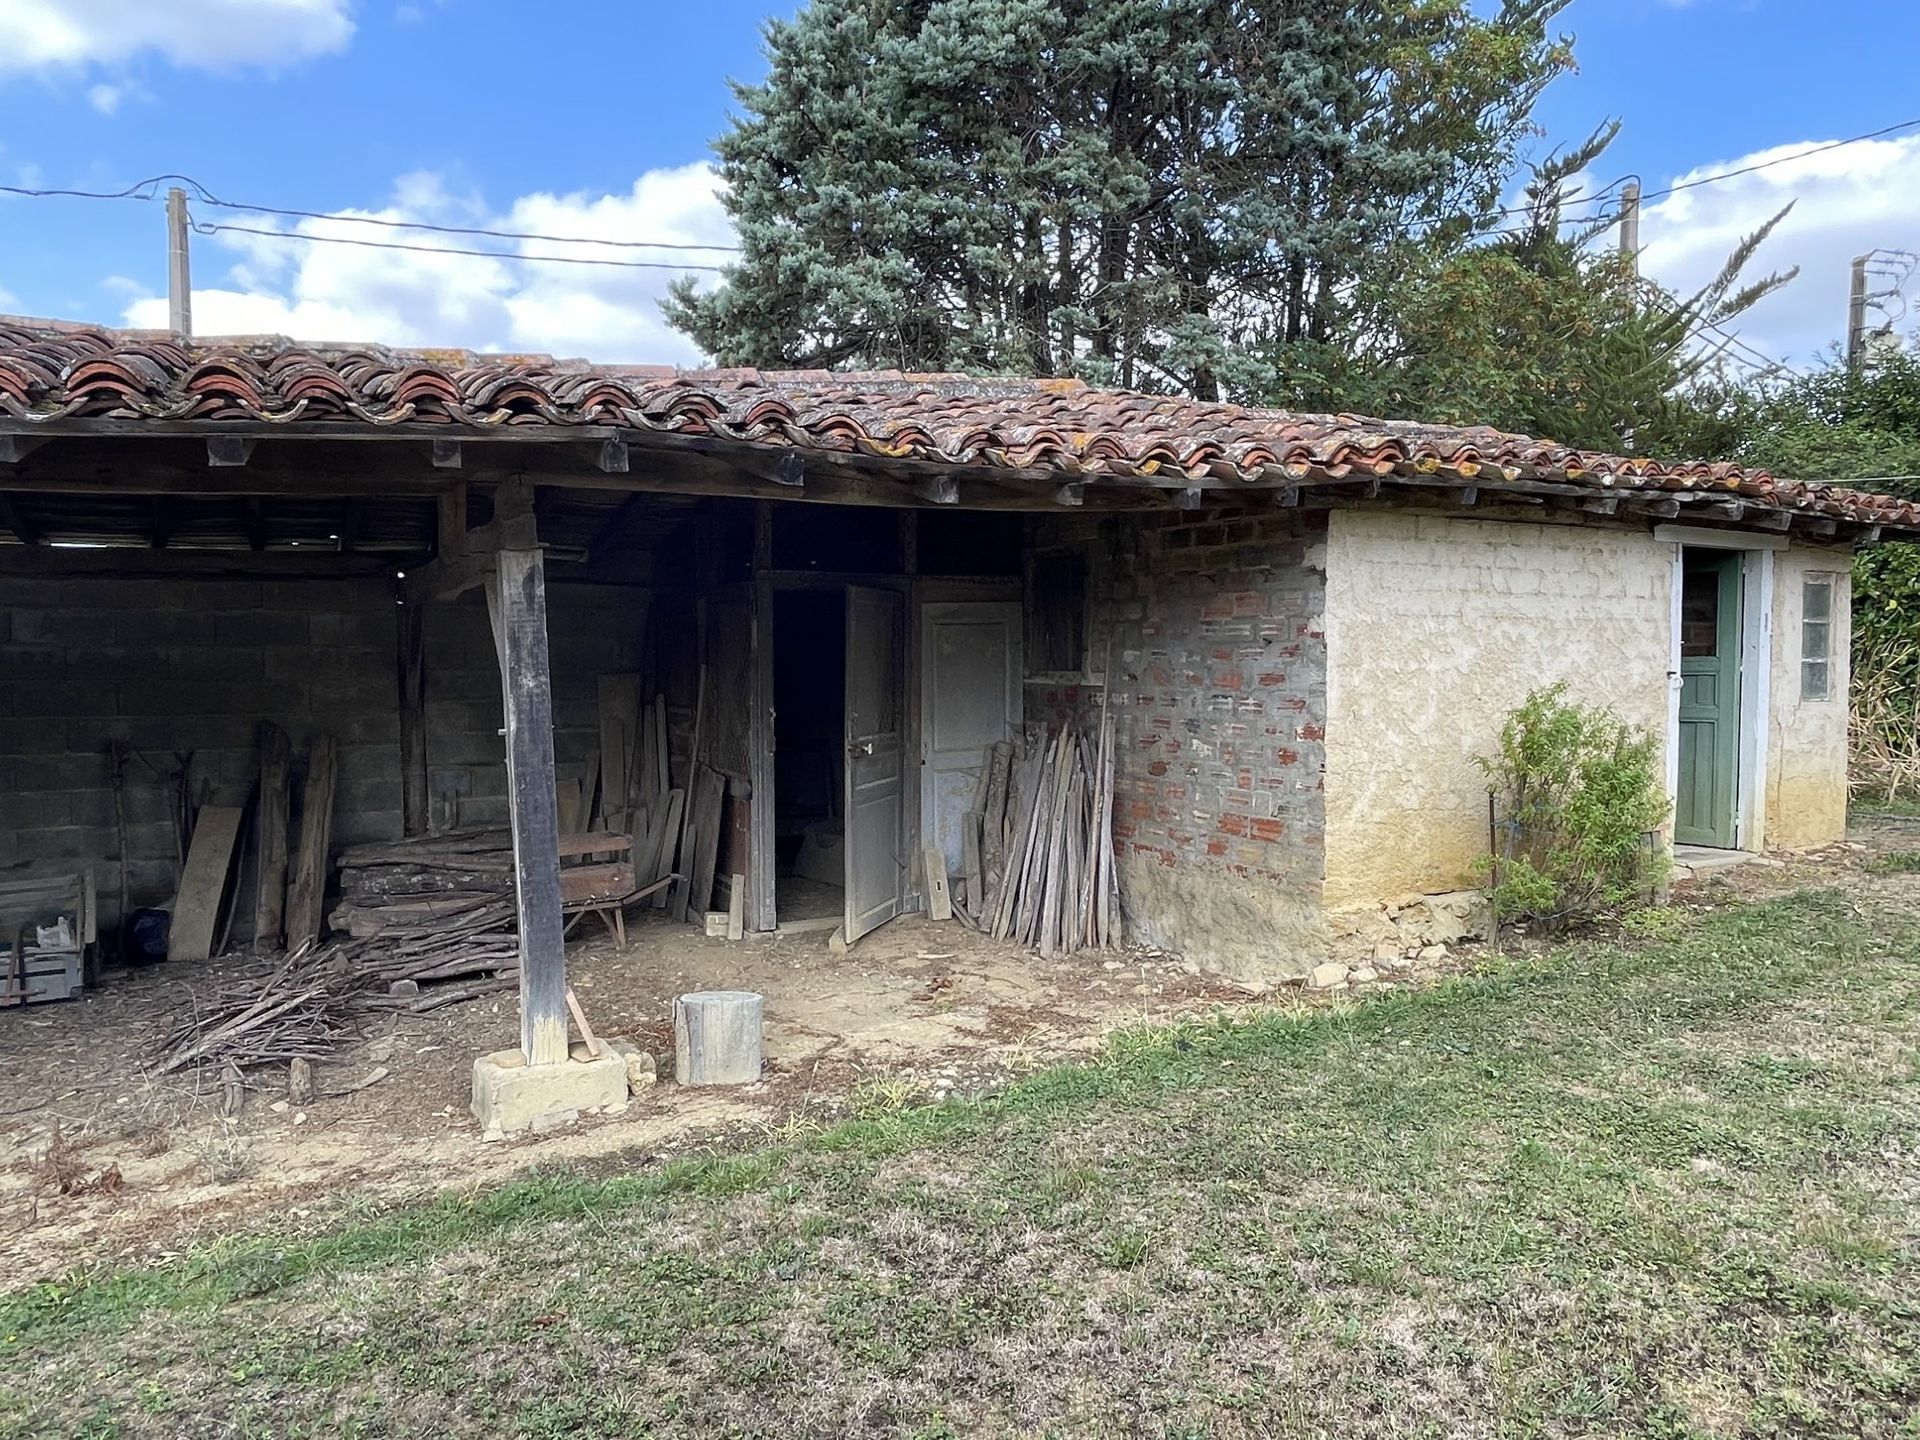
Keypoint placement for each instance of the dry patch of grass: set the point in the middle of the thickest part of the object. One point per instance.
(1667, 1187)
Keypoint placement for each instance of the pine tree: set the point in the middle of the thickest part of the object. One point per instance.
(1163, 194)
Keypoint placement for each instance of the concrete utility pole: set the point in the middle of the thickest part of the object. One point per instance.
(1630, 223)
(1857, 314)
(179, 281)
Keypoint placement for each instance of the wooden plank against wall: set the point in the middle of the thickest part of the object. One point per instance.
(308, 890)
(196, 909)
(709, 791)
(517, 602)
(413, 719)
(270, 842)
(619, 747)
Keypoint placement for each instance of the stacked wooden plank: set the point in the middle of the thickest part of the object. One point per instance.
(636, 795)
(1046, 844)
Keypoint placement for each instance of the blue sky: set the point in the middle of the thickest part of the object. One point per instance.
(596, 120)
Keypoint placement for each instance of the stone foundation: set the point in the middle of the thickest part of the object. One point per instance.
(1409, 924)
(510, 1096)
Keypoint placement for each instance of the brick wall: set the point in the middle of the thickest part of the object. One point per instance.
(1219, 701)
(172, 664)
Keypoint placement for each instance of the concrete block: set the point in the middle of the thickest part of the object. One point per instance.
(510, 1096)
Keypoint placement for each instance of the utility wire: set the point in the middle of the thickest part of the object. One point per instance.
(148, 189)
(205, 228)
(1756, 354)
(465, 229)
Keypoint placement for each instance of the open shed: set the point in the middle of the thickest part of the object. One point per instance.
(837, 593)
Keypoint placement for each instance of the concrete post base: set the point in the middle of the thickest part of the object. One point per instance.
(510, 1095)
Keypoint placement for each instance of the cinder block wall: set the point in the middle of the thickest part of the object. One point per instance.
(176, 664)
(1220, 704)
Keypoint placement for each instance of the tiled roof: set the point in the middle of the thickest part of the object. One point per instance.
(55, 371)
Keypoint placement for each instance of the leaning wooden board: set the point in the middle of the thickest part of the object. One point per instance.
(196, 908)
(703, 839)
(308, 888)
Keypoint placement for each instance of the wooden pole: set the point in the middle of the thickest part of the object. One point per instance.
(413, 718)
(517, 600)
(270, 853)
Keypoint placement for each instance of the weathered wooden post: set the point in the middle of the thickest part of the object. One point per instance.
(517, 598)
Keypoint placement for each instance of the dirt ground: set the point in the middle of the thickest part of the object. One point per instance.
(100, 1159)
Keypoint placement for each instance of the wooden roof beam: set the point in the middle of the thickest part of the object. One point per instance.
(15, 448)
(16, 519)
(229, 451)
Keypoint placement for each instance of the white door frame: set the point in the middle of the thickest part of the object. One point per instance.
(1756, 669)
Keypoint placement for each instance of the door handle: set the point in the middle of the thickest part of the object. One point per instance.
(860, 747)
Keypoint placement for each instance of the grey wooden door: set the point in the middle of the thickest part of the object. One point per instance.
(970, 698)
(875, 808)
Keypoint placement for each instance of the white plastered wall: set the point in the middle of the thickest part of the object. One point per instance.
(1436, 629)
(1806, 778)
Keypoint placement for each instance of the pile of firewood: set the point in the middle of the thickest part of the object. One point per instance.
(446, 893)
(1046, 875)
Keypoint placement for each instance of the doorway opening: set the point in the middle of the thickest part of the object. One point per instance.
(1706, 808)
(809, 728)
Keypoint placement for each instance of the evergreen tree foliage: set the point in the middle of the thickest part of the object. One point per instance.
(1191, 195)
(1549, 330)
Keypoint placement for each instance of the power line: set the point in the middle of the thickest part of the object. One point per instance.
(1715, 179)
(207, 228)
(1759, 355)
(475, 230)
(148, 189)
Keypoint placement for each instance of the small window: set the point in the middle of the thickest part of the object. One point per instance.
(1816, 637)
(1057, 614)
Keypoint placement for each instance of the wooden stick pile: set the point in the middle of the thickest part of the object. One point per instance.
(1046, 844)
(299, 1008)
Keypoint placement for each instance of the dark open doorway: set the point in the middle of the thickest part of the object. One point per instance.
(809, 701)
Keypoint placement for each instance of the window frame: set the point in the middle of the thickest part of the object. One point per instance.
(1817, 660)
(1035, 626)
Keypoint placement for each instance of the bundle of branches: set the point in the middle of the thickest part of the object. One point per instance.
(300, 1007)
(1046, 842)
(422, 910)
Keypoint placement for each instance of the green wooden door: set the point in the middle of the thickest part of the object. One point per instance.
(1709, 698)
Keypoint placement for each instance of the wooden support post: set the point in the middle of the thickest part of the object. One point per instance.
(413, 717)
(270, 843)
(452, 508)
(517, 602)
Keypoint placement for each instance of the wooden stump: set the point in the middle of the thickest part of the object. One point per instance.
(716, 1037)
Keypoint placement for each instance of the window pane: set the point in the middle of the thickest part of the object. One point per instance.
(1813, 679)
(1816, 601)
(1699, 613)
(1816, 639)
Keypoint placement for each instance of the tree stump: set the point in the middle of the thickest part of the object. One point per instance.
(716, 1037)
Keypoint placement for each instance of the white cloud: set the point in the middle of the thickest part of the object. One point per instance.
(37, 36)
(7, 301)
(324, 291)
(1846, 202)
(106, 98)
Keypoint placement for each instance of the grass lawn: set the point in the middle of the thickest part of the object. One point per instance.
(1670, 1189)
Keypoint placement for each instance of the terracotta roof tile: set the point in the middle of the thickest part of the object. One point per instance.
(56, 370)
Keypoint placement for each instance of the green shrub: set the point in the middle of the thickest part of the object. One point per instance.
(1579, 796)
